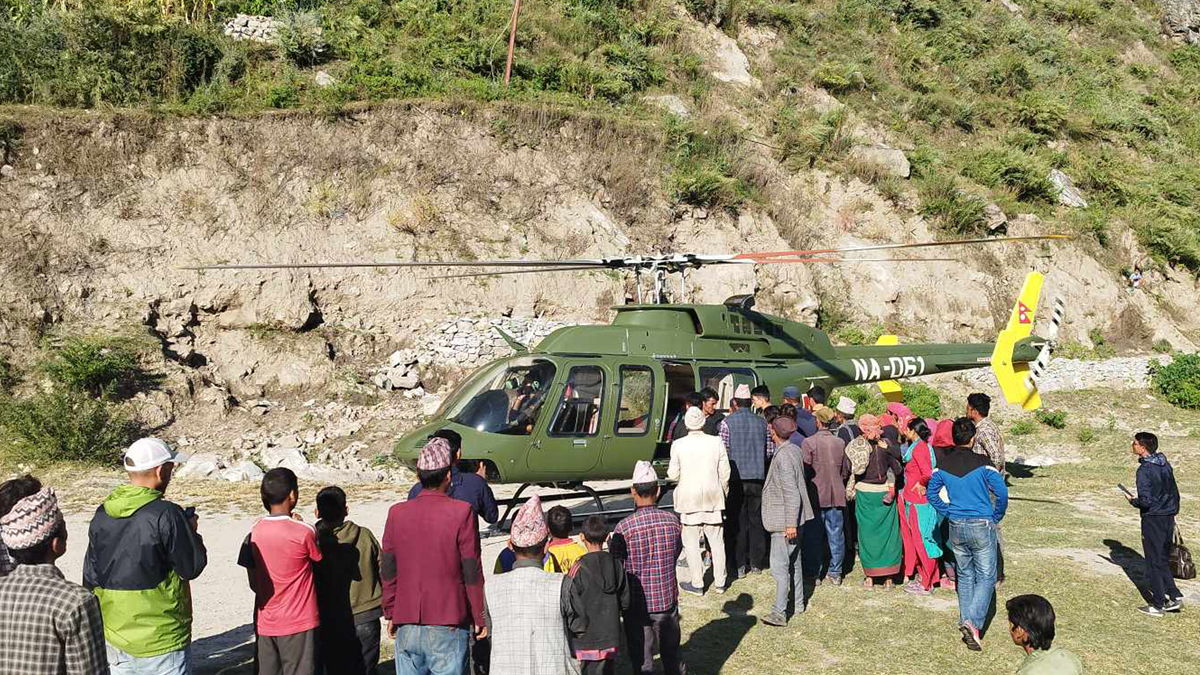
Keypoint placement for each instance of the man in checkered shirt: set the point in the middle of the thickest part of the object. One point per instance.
(649, 543)
(48, 625)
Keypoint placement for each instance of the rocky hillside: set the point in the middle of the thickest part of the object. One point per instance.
(698, 127)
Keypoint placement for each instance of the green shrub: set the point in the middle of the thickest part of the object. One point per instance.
(1172, 236)
(67, 425)
(956, 211)
(105, 54)
(1079, 12)
(301, 38)
(8, 376)
(1178, 381)
(839, 77)
(1055, 419)
(868, 402)
(1022, 428)
(1100, 346)
(717, 12)
(93, 365)
(1086, 435)
(803, 142)
(1163, 347)
(1021, 173)
(922, 399)
(1042, 115)
(854, 335)
(706, 164)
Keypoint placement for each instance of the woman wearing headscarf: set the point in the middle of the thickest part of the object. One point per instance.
(918, 521)
(943, 441)
(872, 457)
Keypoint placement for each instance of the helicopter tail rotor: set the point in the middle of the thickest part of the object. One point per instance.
(1038, 369)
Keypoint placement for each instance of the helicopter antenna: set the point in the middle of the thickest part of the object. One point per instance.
(657, 265)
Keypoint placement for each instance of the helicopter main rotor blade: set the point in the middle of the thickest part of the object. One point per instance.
(765, 256)
(769, 262)
(568, 264)
(594, 268)
(776, 261)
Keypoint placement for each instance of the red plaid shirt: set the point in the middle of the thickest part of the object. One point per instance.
(652, 541)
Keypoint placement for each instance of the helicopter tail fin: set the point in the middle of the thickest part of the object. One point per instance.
(1013, 377)
(889, 388)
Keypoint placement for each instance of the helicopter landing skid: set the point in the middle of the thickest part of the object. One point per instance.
(502, 526)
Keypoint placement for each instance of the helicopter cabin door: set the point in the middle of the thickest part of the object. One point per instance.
(638, 419)
(576, 431)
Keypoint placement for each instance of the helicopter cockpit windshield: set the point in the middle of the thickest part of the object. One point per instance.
(505, 399)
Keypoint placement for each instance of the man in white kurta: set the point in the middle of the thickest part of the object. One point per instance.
(700, 467)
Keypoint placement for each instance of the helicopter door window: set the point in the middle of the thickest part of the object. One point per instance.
(681, 381)
(579, 410)
(636, 400)
(725, 381)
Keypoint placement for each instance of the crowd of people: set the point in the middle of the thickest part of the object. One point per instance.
(800, 489)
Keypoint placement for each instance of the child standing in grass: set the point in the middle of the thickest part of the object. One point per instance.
(278, 556)
(599, 595)
(562, 551)
(349, 592)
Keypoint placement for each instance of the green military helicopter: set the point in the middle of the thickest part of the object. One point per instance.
(588, 402)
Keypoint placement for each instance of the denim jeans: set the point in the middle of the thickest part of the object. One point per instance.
(834, 519)
(431, 650)
(788, 571)
(974, 545)
(171, 663)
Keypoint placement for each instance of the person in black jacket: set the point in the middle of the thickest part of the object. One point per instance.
(143, 551)
(1158, 500)
(600, 594)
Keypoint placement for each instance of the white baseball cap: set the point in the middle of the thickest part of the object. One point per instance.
(150, 453)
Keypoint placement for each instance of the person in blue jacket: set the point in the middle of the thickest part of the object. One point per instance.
(1158, 500)
(465, 487)
(970, 481)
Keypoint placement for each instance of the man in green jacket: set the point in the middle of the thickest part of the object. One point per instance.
(1031, 625)
(142, 553)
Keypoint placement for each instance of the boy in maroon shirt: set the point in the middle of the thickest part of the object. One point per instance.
(278, 555)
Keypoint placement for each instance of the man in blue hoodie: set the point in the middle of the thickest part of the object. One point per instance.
(971, 483)
(1158, 500)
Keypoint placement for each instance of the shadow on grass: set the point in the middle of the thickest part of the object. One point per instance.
(711, 645)
(1131, 563)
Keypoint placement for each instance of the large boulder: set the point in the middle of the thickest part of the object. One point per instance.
(242, 471)
(1181, 20)
(200, 466)
(1068, 194)
(889, 160)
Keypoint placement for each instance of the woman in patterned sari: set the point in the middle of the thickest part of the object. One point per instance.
(875, 463)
